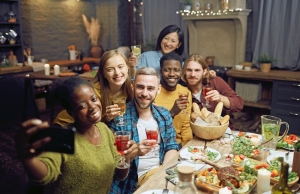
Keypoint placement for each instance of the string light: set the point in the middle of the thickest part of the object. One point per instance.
(207, 13)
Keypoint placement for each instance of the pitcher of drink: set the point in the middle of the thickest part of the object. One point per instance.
(270, 130)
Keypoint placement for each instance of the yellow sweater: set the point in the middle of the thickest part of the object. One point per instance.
(89, 170)
(181, 122)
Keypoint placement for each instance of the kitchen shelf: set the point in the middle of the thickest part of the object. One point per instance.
(9, 23)
(263, 104)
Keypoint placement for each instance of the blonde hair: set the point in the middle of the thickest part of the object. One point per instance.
(147, 71)
(104, 84)
(198, 59)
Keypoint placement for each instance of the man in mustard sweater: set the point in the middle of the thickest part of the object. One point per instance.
(179, 107)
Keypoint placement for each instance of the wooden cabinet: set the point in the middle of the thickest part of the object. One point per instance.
(286, 103)
(5, 7)
(280, 94)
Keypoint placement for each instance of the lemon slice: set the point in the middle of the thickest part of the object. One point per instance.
(136, 51)
(243, 188)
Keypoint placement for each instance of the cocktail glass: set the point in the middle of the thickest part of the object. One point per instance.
(136, 50)
(121, 102)
(182, 95)
(270, 130)
(121, 140)
(205, 89)
(152, 133)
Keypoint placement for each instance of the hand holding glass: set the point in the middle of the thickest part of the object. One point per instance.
(205, 89)
(121, 102)
(182, 95)
(152, 134)
(136, 51)
(122, 168)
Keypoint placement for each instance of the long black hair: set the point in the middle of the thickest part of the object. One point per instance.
(167, 30)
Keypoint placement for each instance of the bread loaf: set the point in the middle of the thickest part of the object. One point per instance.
(196, 108)
(225, 119)
(212, 120)
(194, 116)
(218, 109)
(204, 112)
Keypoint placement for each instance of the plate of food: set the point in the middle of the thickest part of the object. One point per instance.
(213, 179)
(194, 154)
(244, 145)
(156, 191)
(249, 135)
(288, 142)
(273, 159)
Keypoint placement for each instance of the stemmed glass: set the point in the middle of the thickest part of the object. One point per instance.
(136, 50)
(206, 88)
(121, 139)
(152, 134)
(121, 102)
(182, 95)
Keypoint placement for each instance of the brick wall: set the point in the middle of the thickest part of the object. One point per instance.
(50, 26)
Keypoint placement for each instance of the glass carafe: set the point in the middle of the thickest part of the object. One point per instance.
(185, 181)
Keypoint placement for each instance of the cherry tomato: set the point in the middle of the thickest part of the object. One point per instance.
(86, 67)
(272, 175)
(275, 172)
(242, 157)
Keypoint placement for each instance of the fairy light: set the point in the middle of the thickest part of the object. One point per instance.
(207, 13)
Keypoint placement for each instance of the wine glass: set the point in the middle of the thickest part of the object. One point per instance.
(182, 95)
(136, 50)
(152, 134)
(121, 102)
(205, 89)
(121, 139)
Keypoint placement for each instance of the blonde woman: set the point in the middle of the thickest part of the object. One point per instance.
(112, 80)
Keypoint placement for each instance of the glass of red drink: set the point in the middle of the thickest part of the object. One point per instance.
(121, 140)
(152, 134)
(205, 89)
(182, 95)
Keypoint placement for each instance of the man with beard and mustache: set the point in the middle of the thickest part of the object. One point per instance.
(170, 69)
(140, 114)
(195, 75)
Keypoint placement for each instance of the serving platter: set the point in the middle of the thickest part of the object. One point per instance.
(187, 155)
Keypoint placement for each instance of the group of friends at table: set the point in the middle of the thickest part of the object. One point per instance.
(152, 99)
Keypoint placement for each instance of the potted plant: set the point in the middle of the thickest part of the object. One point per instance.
(265, 62)
(187, 4)
(93, 30)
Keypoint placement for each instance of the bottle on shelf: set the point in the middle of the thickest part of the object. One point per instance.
(185, 181)
(296, 159)
(282, 187)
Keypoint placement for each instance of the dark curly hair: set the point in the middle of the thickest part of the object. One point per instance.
(62, 90)
(170, 56)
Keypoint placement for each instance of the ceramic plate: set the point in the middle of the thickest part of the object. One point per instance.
(187, 155)
(290, 159)
(250, 135)
(156, 191)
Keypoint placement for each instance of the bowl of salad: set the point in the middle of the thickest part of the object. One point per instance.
(243, 146)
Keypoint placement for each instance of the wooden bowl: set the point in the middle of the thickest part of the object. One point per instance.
(246, 64)
(209, 132)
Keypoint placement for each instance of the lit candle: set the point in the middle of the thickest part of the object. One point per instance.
(225, 190)
(263, 180)
(47, 69)
(56, 70)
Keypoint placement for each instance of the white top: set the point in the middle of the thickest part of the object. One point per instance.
(151, 159)
(197, 96)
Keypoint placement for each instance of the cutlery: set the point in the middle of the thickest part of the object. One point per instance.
(205, 147)
(166, 190)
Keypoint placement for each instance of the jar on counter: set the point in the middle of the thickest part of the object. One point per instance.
(2, 38)
(12, 17)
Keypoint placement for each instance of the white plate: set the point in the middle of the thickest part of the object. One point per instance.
(186, 154)
(282, 154)
(259, 136)
(156, 191)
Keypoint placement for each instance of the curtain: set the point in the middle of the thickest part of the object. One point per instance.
(276, 32)
(158, 14)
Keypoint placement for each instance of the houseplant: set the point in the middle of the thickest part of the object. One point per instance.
(187, 4)
(93, 30)
(265, 62)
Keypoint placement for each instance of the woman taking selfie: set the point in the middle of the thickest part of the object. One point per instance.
(111, 81)
(91, 168)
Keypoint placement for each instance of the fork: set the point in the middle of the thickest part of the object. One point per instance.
(166, 190)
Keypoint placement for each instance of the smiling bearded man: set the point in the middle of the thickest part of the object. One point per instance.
(170, 69)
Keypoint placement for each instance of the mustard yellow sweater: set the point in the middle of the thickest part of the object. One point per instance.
(181, 122)
(89, 170)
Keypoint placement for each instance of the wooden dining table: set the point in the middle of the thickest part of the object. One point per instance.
(157, 181)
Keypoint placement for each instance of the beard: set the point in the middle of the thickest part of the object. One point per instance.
(143, 105)
(193, 82)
